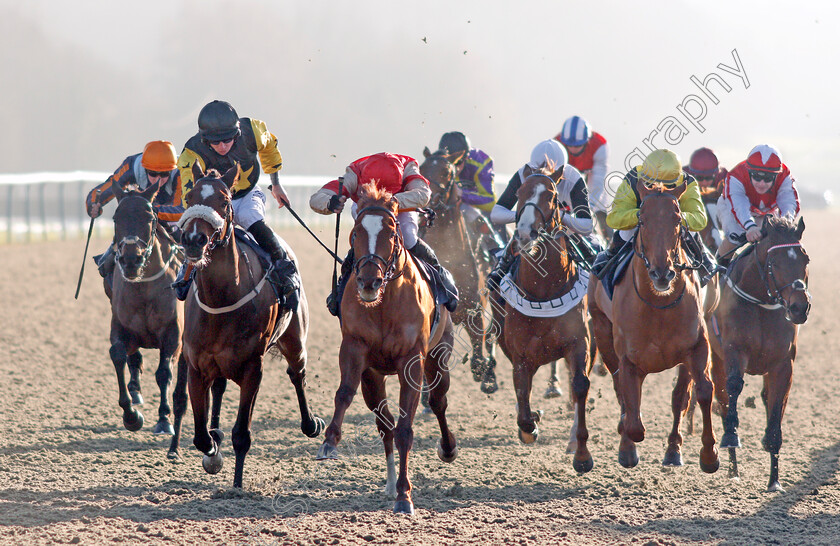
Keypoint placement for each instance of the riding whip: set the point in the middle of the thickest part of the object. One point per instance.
(299, 219)
(84, 258)
(337, 229)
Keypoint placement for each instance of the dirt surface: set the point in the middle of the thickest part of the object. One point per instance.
(70, 473)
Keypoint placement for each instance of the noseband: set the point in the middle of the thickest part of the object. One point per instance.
(147, 246)
(767, 275)
(222, 233)
(554, 208)
(387, 268)
(639, 249)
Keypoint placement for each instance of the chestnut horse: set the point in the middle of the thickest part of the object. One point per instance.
(763, 302)
(653, 323)
(549, 279)
(144, 311)
(232, 318)
(455, 248)
(388, 328)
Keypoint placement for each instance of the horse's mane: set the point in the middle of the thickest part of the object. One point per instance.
(784, 226)
(370, 194)
(210, 173)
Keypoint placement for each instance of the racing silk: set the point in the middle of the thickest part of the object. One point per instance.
(167, 203)
(746, 203)
(571, 192)
(476, 181)
(411, 191)
(254, 140)
(624, 213)
(592, 160)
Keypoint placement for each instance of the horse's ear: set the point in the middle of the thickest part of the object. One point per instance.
(764, 226)
(527, 171)
(558, 174)
(800, 227)
(642, 188)
(231, 175)
(119, 193)
(198, 174)
(426, 152)
(150, 192)
(679, 190)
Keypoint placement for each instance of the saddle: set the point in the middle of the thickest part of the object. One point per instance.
(244, 237)
(614, 269)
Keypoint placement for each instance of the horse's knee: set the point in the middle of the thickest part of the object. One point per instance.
(240, 437)
(179, 402)
(734, 384)
(404, 437)
(118, 353)
(580, 384)
(772, 441)
(344, 395)
(704, 391)
(163, 375)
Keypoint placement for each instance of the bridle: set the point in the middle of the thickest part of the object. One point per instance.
(221, 235)
(147, 246)
(441, 199)
(554, 210)
(388, 268)
(639, 247)
(767, 275)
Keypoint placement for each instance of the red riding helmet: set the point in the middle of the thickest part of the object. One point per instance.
(382, 167)
(704, 163)
(765, 157)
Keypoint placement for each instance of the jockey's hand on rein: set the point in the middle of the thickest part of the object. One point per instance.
(336, 204)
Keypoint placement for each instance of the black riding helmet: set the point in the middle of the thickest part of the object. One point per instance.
(455, 142)
(218, 121)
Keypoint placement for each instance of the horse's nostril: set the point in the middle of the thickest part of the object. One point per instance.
(376, 284)
(669, 276)
(654, 275)
(534, 234)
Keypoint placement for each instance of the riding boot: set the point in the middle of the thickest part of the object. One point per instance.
(699, 253)
(106, 262)
(334, 299)
(724, 253)
(424, 252)
(603, 258)
(500, 270)
(283, 272)
(606, 230)
(183, 281)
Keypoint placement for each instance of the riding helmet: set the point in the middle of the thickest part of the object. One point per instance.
(765, 157)
(575, 132)
(703, 162)
(218, 121)
(159, 155)
(455, 142)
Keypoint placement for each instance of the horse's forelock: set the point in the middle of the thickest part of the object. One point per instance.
(371, 194)
(783, 226)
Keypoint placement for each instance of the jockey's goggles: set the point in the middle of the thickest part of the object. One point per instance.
(763, 176)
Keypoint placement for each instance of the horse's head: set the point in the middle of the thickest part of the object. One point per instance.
(135, 223)
(785, 266)
(440, 172)
(537, 207)
(208, 219)
(376, 240)
(658, 240)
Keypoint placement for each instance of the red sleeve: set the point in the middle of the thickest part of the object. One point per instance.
(333, 187)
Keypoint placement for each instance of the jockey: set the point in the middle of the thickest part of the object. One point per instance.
(660, 167)
(708, 173)
(475, 173)
(588, 154)
(156, 165)
(400, 175)
(760, 185)
(571, 190)
(225, 140)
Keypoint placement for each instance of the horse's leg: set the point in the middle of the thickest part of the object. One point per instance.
(292, 345)
(169, 351)
(489, 383)
(218, 389)
(179, 407)
(135, 368)
(241, 433)
(199, 393)
(630, 383)
(437, 376)
(373, 391)
(132, 418)
(352, 359)
(722, 399)
(602, 334)
(699, 367)
(579, 357)
(410, 376)
(553, 390)
(777, 384)
(679, 400)
(736, 363)
(523, 377)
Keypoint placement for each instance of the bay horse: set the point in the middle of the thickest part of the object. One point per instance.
(144, 310)
(232, 318)
(549, 279)
(453, 244)
(388, 327)
(763, 300)
(653, 323)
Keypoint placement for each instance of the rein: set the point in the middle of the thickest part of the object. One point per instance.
(148, 248)
(389, 266)
(445, 190)
(765, 272)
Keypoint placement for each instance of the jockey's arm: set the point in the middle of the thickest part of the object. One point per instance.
(503, 212)
(624, 212)
(320, 200)
(787, 198)
(103, 193)
(692, 210)
(270, 157)
(580, 219)
(415, 195)
(185, 164)
(737, 199)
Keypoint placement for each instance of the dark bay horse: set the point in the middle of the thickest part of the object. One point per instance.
(388, 328)
(763, 300)
(454, 246)
(231, 319)
(653, 323)
(546, 278)
(144, 311)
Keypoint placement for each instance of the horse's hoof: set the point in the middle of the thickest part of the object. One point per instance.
(553, 391)
(628, 459)
(672, 458)
(326, 451)
(315, 429)
(136, 398)
(582, 467)
(477, 368)
(537, 415)
(443, 455)
(163, 427)
(213, 464)
(489, 384)
(775, 487)
(709, 468)
(133, 423)
(529, 437)
(404, 507)
(730, 440)
(174, 456)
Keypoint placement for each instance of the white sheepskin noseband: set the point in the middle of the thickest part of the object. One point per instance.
(202, 212)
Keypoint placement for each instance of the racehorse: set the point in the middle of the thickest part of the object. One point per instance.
(232, 318)
(144, 311)
(655, 322)
(388, 327)
(756, 323)
(547, 279)
(453, 243)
